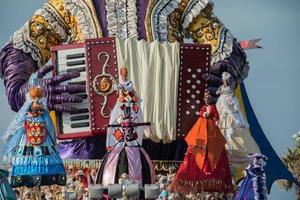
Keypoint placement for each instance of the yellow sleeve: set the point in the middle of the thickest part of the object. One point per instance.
(206, 28)
(53, 24)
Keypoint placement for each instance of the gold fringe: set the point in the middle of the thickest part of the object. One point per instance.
(162, 166)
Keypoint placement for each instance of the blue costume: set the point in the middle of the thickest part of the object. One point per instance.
(254, 184)
(31, 147)
(163, 195)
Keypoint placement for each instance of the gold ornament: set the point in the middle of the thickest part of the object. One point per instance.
(174, 23)
(148, 25)
(43, 37)
(206, 28)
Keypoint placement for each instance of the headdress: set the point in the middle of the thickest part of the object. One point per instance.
(258, 156)
(228, 78)
(226, 75)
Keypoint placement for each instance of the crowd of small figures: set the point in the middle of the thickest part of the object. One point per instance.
(75, 186)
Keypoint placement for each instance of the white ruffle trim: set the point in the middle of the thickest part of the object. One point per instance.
(225, 46)
(84, 17)
(112, 20)
(159, 18)
(122, 18)
(132, 19)
(21, 40)
(192, 10)
(54, 23)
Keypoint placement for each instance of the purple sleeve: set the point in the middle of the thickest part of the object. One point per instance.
(235, 64)
(237, 60)
(16, 68)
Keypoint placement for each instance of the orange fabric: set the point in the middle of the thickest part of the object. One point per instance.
(109, 148)
(197, 137)
(189, 178)
(215, 143)
(207, 138)
(122, 99)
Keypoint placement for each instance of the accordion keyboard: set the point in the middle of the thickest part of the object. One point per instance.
(69, 60)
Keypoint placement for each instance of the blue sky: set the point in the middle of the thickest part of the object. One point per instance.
(273, 82)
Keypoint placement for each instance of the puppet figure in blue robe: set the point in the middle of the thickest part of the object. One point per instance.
(31, 143)
(254, 185)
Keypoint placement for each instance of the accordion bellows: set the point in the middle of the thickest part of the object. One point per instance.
(154, 70)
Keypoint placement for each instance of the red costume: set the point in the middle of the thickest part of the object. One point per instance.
(205, 166)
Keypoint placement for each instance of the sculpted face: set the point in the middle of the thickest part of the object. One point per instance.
(36, 106)
(104, 84)
(207, 98)
(123, 72)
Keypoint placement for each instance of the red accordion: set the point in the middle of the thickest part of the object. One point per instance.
(97, 62)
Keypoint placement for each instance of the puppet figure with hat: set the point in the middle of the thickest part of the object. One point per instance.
(31, 143)
(124, 140)
(233, 124)
(127, 96)
(254, 185)
(205, 167)
(163, 183)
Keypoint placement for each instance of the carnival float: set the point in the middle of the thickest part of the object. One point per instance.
(132, 99)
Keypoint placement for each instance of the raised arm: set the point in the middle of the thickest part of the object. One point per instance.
(29, 50)
(201, 25)
(16, 68)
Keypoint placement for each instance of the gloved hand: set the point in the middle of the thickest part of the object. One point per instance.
(54, 89)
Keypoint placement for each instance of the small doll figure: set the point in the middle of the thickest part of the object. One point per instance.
(126, 154)
(93, 177)
(81, 181)
(254, 184)
(124, 179)
(31, 143)
(174, 196)
(205, 167)
(233, 125)
(126, 90)
(163, 185)
(127, 98)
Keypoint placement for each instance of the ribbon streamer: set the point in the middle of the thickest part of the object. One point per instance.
(250, 44)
